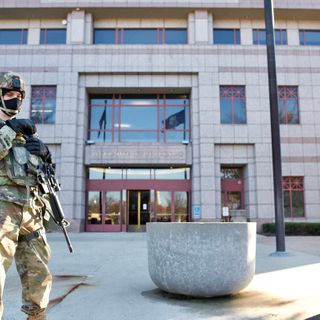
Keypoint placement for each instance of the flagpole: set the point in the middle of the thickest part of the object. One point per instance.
(184, 122)
(275, 129)
(105, 120)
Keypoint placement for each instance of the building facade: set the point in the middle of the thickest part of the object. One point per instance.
(159, 110)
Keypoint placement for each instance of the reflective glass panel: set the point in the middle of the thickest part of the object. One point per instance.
(282, 112)
(43, 104)
(181, 206)
(226, 111)
(163, 210)
(297, 204)
(140, 36)
(101, 118)
(226, 36)
(177, 136)
(143, 136)
(177, 118)
(281, 37)
(175, 36)
(53, 36)
(104, 36)
(239, 112)
(174, 173)
(104, 173)
(310, 37)
(139, 100)
(138, 174)
(113, 207)
(286, 201)
(177, 100)
(102, 136)
(140, 118)
(13, 36)
(292, 111)
(259, 36)
(94, 207)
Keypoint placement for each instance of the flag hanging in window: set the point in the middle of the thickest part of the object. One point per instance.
(103, 122)
(175, 120)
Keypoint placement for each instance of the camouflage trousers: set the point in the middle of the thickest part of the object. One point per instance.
(31, 256)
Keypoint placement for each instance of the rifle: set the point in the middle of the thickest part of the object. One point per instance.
(49, 185)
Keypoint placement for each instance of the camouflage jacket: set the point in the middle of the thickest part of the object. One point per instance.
(17, 168)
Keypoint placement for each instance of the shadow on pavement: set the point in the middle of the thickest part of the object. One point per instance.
(232, 307)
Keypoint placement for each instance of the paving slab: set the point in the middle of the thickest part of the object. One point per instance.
(107, 279)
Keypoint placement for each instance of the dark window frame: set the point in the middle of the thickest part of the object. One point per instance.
(43, 97)
(259, 41)
(285, 94)
(303, 38)
(44, 36)
(233, 93)
(292, 184)
(160, 35)
(235, 37)
(163, 117)
(23, 36)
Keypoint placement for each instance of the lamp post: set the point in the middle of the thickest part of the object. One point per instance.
(275, 130)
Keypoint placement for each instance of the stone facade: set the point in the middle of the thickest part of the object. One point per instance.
(80, 67)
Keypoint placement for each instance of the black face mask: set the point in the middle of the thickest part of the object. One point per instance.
(13, 104)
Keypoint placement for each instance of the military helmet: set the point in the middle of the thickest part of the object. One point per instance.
(11, 81)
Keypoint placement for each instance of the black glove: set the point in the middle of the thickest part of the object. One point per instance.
(23, 126)
(37, 147)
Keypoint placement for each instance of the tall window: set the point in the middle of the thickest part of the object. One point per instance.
(141, 36)
(53, 36)
(259, 36)
(43, 104)
(139, 117)
(288, 105)
(226, 36)
(293, 194)
(233, 105)
(13, 36)
(309, 37)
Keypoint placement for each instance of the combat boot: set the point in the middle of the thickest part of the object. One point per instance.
(41, 315)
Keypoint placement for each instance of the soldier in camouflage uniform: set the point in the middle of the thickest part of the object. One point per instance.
(22, 234)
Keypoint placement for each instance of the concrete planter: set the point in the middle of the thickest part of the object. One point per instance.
(201, 259)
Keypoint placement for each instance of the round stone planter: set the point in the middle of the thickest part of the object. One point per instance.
(201, 259)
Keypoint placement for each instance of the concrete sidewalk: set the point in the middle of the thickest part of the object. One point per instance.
(107, 279)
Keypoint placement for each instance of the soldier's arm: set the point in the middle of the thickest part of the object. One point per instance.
(6, 137)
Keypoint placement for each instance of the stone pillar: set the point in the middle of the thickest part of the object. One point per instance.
(293, 33)
(199, 27)
(34, 32)
(246, 33)
(191, 29)
(78, 25)
(203, 179)
(88, 29)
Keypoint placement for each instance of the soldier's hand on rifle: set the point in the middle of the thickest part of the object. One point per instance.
(22, 126)
(37, 147)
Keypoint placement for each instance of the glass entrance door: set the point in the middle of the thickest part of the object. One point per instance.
(139, 209)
